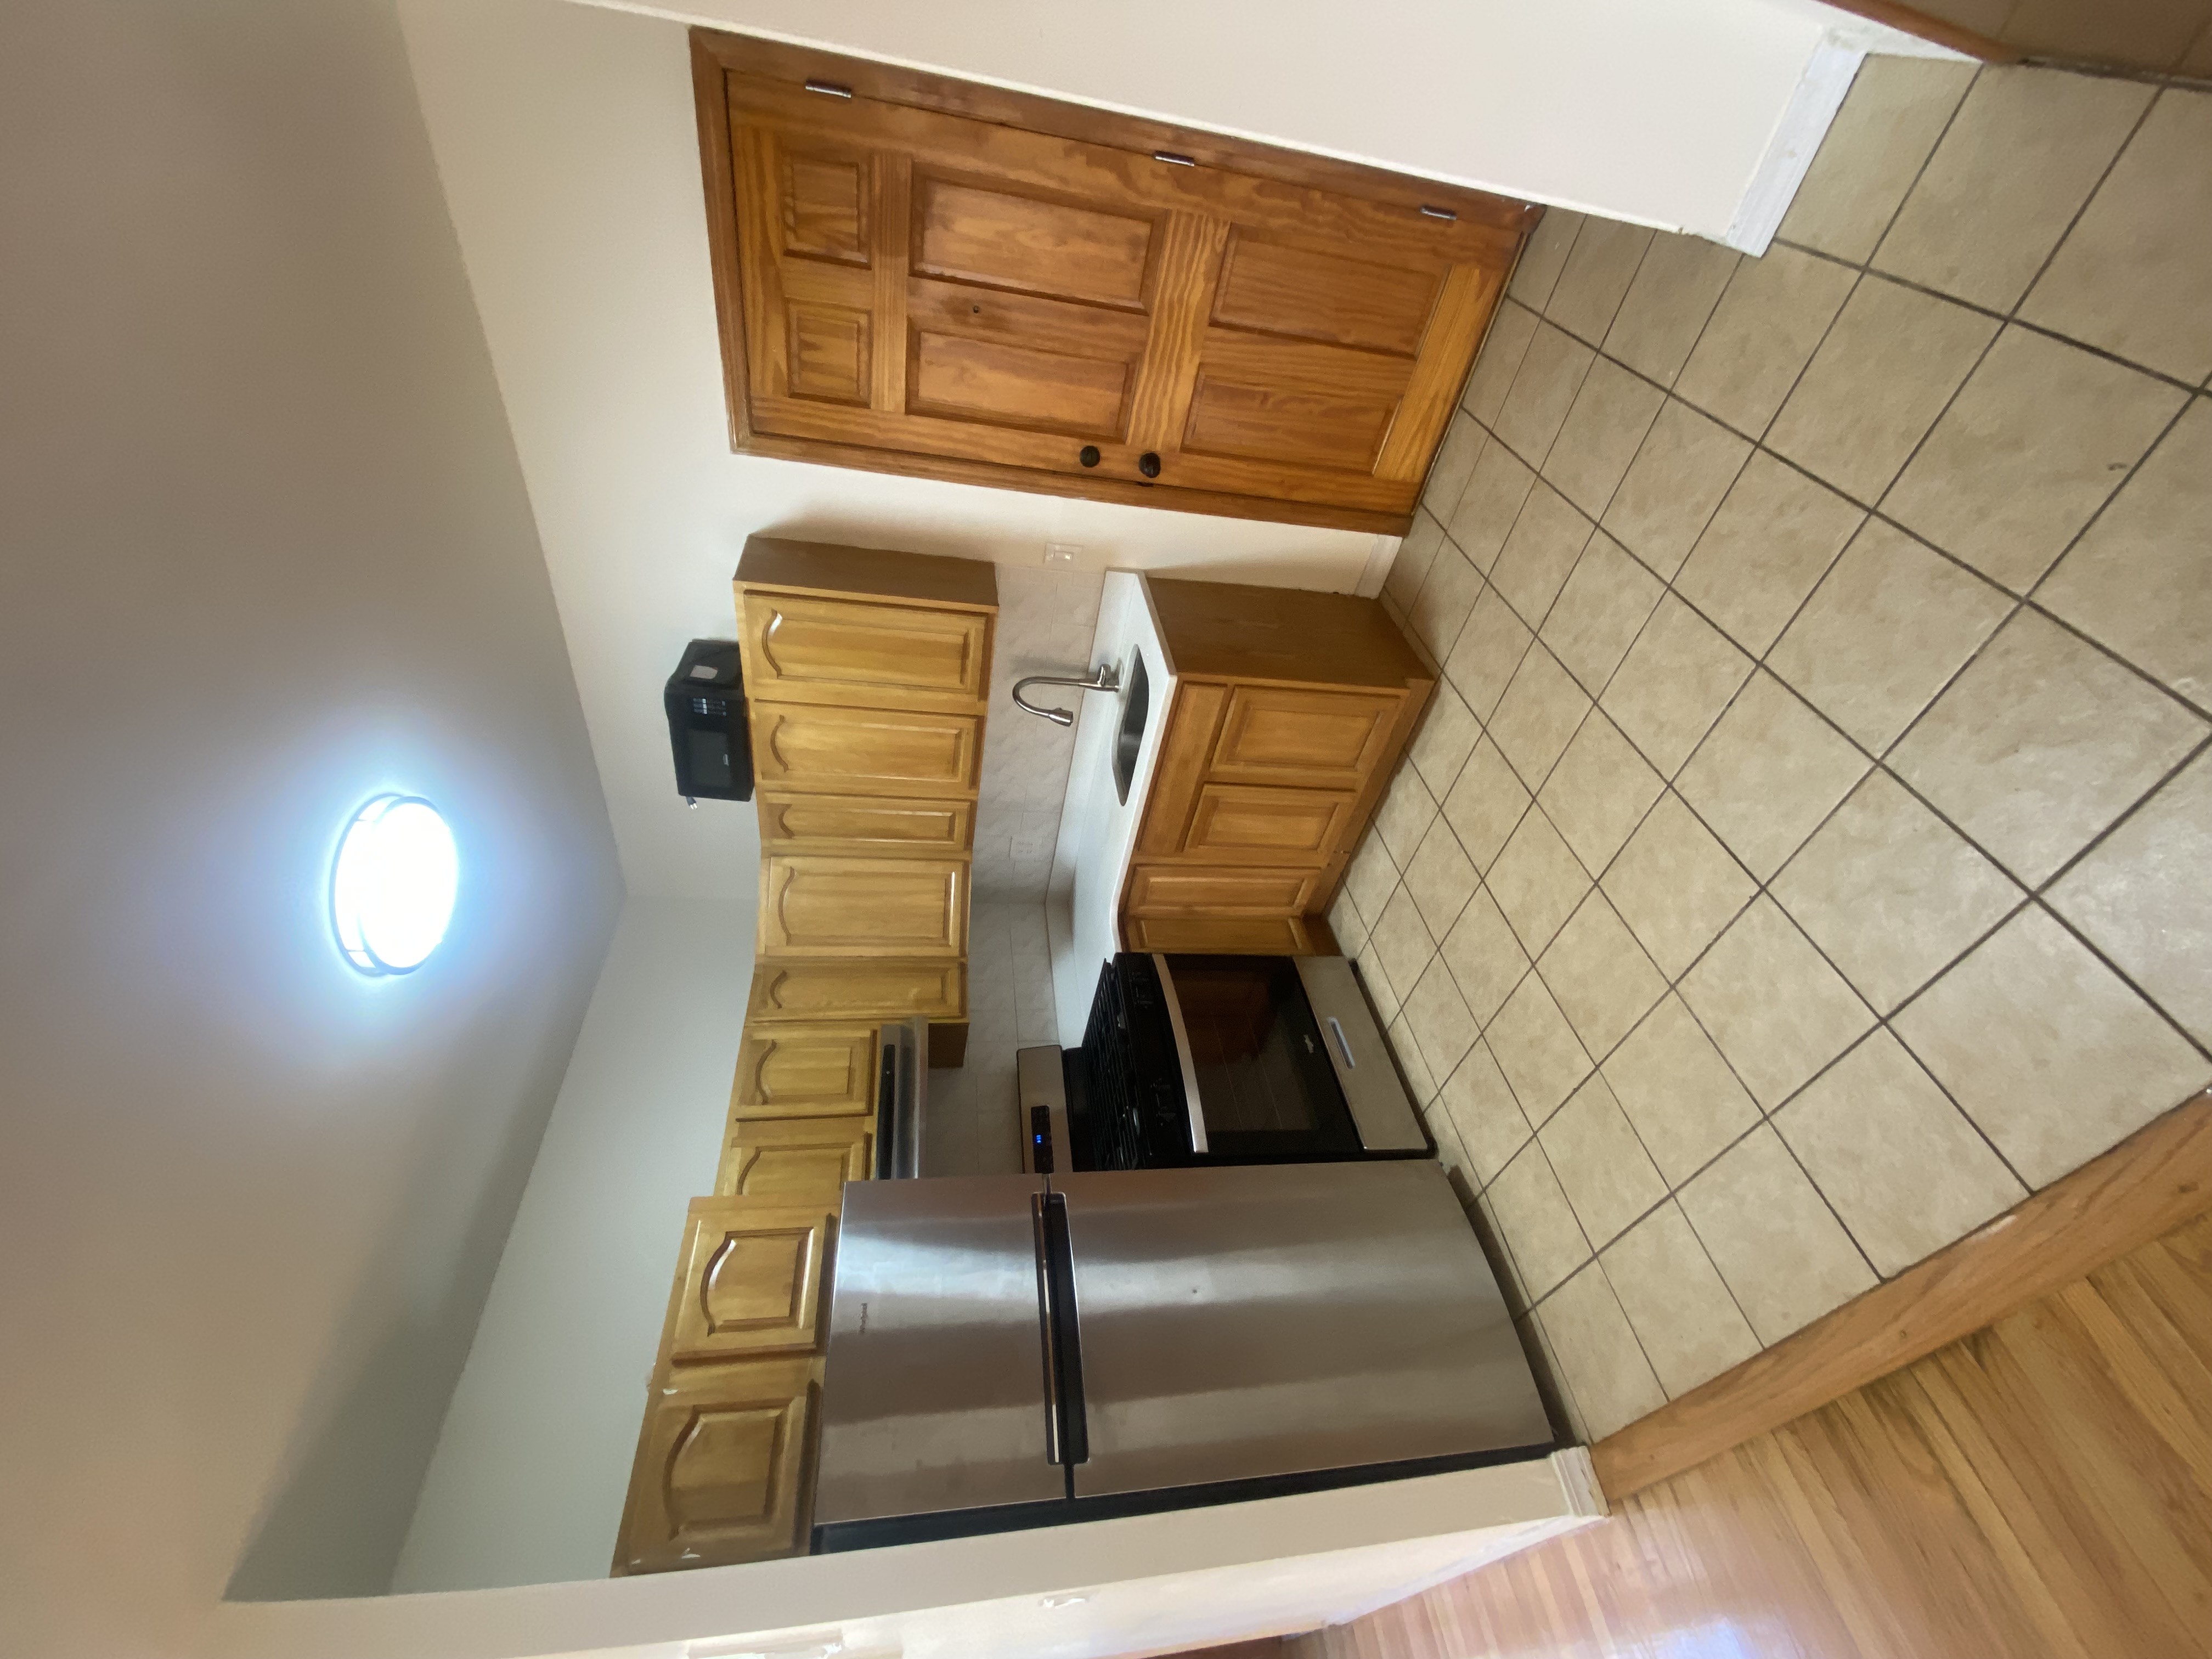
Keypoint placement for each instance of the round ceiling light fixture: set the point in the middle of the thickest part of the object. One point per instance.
(393, 887)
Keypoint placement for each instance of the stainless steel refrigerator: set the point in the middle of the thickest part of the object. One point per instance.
(1011, 1351)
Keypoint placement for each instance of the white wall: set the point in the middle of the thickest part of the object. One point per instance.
(534, 1459)
(565, 138)
(264, 551)
(1150, 1584)
(1656, 109)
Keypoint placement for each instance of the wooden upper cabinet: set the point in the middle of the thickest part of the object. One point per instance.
(934, 278)
(859, 907)
(751, 1279)
(843, 752)
(792, 821)
(804, 1071)
(798, 649)
(722, 1468)
(796, 1160)
(808, 988)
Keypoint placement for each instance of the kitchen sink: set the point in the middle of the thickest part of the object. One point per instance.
(1129, 731)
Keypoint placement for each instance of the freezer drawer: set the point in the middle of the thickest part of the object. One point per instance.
(933, 1395)
(1249, 1322)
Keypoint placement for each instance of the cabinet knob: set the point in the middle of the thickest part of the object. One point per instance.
(1149, 464)
(1088, 454)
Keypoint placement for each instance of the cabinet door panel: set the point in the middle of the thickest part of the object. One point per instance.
(845, 751)
(1279, 825)
(818, 651)
(723, 1467)
(804, 1071)
(864, 823)
(1008, 236)
(1316, 739)
(1254, 936)
(1194, 889)
(1334, 296)
(830, 988)
(854, 907)
(751, 1279)
(996, 259)
(796, 1160)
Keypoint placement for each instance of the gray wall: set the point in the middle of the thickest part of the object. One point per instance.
(533, 1463)
(264, 551)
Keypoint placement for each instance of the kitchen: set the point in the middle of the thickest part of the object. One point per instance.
(1436, 942)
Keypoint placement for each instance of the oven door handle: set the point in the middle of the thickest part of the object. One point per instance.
(1343, 1046)
(1197, 1112)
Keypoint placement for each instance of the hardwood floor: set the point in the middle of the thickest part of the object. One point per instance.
(2042, 1486)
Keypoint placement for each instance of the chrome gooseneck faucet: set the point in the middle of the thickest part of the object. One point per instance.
(1106, 678)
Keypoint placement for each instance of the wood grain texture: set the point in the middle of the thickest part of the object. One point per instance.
(829, 570)
(798, 823)
(924, 278)
(1944, 31)
(797, 988)
(862, 908)
(1210, 935)
(891, 84)
(2156, 1179)
(1289, 636)
(2042, 1487)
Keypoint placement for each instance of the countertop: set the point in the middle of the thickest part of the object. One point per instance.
(1096, 830)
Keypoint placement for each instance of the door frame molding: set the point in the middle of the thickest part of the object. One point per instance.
(716, 53)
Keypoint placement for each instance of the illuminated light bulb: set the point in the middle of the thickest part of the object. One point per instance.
(393, 887)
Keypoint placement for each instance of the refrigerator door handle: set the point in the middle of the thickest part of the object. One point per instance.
(1067, 1432)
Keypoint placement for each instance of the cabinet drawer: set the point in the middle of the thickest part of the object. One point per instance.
(723, 1467)
(825, 906)
(749, 1279)
(1279, 826)
(804, 1071)
(793, 821)
(1235, 936)
(1199, 889)
(848, 751)
(829, 988)
(1312, 740)
(796, 1160)
(797, 650)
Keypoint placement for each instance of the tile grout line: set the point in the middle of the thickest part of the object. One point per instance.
(1876, 761)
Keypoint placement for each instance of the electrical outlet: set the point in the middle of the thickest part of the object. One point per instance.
(1063, 555)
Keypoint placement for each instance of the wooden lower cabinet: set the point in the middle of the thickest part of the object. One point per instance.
(1235, 820)
(827, 988)
(724, 1470)
(1290, 712)
(1310, 739)
(1235, 936)
(1199, 889)
(815, 905)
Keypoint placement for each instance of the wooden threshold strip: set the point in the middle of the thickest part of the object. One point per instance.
(1910, 20)
(2153, 1182)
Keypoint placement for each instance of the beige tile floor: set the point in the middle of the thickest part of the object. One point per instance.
(1810, 850)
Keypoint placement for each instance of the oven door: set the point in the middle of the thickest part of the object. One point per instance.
(1273, 1076)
